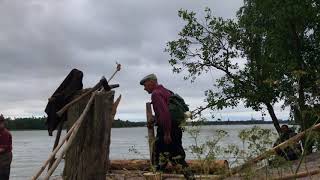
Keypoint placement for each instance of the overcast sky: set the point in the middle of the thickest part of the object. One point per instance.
(42, 40)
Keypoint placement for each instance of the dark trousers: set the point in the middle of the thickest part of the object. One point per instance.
(173, 152)
(5, 163)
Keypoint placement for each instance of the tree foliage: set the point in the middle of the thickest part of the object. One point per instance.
(268, 54)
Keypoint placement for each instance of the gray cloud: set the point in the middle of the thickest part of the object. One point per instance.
(42, 40)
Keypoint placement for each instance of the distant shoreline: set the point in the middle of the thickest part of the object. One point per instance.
(32, 123)
(39, 123)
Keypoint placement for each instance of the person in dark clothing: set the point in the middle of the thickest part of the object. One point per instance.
(168, 145)
(292, 152)
(5, 150)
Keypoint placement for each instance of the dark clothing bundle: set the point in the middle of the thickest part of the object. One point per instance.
(292, 152)
(62, 96)
(6, 156)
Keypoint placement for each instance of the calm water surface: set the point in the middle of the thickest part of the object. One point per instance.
(32, 148)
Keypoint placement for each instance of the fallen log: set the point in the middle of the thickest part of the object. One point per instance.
(299, 175)
(125, 174)
(210, 167)
(180, 176)
(272, 151)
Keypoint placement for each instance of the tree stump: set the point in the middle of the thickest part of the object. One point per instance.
(85, 160)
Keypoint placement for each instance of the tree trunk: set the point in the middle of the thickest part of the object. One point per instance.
(85, 160)
(273, 117)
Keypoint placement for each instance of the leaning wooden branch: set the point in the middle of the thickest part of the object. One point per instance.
(55, 151)
(272, 151)
(70, 140)
(115, 107)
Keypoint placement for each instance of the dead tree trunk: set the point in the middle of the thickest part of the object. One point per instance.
(85, 160)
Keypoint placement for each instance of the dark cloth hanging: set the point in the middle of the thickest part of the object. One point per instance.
(62, 96)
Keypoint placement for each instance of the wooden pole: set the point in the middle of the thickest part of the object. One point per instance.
(272, 151)
(151, 136)
(56, 142)
(117, 70)
(70, 140)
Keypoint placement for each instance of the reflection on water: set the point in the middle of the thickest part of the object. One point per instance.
(32, 148)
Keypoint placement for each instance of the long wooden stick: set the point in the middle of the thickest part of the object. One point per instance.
(272, 151)
(70, 140)
(151, 136)
(52, 155)
(117, 70)
(299, 175)
(56, 142)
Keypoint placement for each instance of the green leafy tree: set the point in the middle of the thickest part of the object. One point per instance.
(291, 42)
(269, 54)
(222, 45)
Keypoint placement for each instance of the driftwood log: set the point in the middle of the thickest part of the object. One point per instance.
(86, 157)
(213, 167)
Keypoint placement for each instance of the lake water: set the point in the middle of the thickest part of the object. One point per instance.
(32, 148)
